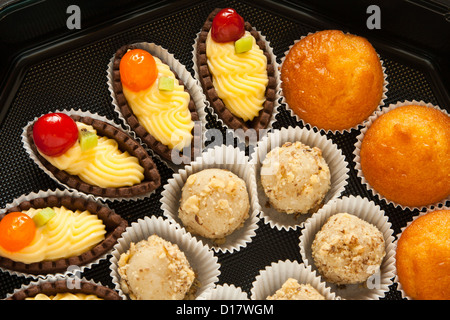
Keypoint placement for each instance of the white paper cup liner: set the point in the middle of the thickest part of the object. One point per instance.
(357, 151)
(73, 281)
(201, 259)
(44, 194)
(332, 155)
(191, 84)
(376, 286)
(33, 156)
(396, 279)
(308, 125)
(221, 157)
(274, 276)
(239, 137)
(224, 292)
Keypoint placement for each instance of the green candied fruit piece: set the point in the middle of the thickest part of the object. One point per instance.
(88, 139)
(243, 44)
(166, 84)
(43, 216)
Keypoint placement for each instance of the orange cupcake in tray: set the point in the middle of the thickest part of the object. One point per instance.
(402, 155)
(423, 257)
(332, 80)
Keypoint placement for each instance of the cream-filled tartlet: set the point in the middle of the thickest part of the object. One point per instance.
(240, 79)
(88, 153)
(155, 269)
(103, 164)
(295, 178)
(53, 234)
(292, 290)
(237, 71)
(347, 249)
(214, 203)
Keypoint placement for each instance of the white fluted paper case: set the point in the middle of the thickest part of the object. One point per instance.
(396, 279)
(357, 151)
(277, 89)
(308, 125)
(221, 157)
(378, 284)
(200, 257)
(191, 84)
(44, 194)
(224, 292)
(332, 155)
(269, 280)
(95, 116)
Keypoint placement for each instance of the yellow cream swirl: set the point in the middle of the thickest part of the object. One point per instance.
(104, 166)
(164, 114)
(239, 79)
(65, 296)
(68, 234)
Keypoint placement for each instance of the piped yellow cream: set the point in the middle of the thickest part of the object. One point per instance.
(67, 234)
(104, 165)
(240, 79)
(164, 114)
(65, 296)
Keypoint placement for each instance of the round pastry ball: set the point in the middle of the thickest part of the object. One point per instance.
(214, 203)
(155, 269)
(423, 257)
(347, 249)
(332, 80)
(292, 290)
(405, 155)
(295, 178)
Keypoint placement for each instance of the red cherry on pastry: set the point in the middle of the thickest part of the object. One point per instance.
(55, 133)
(227, 25)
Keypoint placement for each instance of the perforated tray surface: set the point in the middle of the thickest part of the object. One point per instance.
(77, 79)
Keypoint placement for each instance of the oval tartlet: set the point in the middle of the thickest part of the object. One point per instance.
(206, 80)
(158, 147)
(114, 226)
(152, 179)
(52, 288)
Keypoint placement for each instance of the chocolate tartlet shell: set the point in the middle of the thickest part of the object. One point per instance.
(263, 119)
(152, 179)
(159, 148)
(61, 286)
(114, 226)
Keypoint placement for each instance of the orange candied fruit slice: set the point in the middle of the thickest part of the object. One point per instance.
(17, 230)
(138, 70)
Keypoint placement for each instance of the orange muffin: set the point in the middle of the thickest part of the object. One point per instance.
(423, 257)
(405, 155)
(332, 80)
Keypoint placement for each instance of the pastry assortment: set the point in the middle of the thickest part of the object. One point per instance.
(331, 81)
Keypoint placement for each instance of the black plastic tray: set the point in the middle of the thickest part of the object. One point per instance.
(51, 67)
